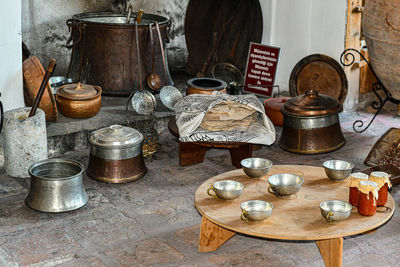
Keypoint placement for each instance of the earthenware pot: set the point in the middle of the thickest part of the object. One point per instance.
(205, 86)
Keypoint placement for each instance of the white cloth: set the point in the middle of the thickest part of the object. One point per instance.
(191, 110)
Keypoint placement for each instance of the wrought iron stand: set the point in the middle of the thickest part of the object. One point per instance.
(347, 59)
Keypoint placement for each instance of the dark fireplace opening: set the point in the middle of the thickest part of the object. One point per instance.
(226, 27)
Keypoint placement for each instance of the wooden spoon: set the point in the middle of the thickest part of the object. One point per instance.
(153, 80)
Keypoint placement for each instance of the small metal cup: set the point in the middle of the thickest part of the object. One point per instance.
(338, 170)
(256, 210)
(284, 184)
(256, 167)
(335, 210)
(226, 189)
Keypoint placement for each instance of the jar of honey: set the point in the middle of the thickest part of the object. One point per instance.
(355, 178)
(383, 181)
(367, 197)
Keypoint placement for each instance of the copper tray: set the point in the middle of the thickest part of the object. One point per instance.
(382, 146)
(321, 73)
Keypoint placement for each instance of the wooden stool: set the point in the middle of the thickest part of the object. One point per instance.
(191, 153)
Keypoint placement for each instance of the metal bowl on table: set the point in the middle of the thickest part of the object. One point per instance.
(335, 210)
(56, 186)
(256, 210)
(256, 167)
(284, 184)
(338, 170)
(226, 189)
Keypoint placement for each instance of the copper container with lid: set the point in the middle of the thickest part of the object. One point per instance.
(79, 100)
(311, 124)
(116, 155)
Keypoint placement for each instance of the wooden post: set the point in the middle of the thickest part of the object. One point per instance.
(331, 251)
(212, 236)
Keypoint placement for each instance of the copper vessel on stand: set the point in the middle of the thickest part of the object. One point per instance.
(116, 155)
(311, 124)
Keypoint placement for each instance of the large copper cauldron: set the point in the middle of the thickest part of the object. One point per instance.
(104, 50)
(311, 124)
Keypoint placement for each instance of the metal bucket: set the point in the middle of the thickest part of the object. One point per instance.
(56, 186)
(381, 28)
(104, 50)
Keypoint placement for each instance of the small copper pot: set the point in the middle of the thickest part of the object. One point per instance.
(79, 100)
(116, 155)
(205, 86)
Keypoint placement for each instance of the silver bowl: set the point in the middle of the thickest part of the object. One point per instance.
(284, 184)
(338, 170)
(335, 210)
(56, 186)
(256, 210)
(57, 81)
(256, 167)
(226, 189)
(169, 96)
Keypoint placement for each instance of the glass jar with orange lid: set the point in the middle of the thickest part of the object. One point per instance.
(367, 197)
(383, 181)
(355, 178)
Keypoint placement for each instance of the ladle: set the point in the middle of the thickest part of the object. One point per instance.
(153, 80)
(169, 95)
(143, 101)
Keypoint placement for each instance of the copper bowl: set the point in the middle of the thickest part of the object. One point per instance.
(79, 108)
(205, 86)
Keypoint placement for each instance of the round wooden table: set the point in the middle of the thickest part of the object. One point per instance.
(295, 218)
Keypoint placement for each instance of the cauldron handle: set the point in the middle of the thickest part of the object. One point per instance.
(81, 27)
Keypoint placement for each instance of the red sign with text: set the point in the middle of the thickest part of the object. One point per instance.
(262, 63)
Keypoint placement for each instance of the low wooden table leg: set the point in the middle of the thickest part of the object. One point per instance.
(212, 236)
(331, 251)
(190, 154)
(240, 153)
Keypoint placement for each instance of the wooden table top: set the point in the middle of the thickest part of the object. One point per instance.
(293, 218)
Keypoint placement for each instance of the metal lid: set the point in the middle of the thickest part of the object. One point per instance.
(311, 104)
(116, 136)
(78, 91)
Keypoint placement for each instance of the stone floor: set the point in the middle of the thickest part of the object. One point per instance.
(153, 222)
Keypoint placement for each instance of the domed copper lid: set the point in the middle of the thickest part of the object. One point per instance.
(78, 91)
(311, 104)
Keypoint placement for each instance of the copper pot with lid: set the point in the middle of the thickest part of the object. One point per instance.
(311, 124)
(79, 100)
(116, 155)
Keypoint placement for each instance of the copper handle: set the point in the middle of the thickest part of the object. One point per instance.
(81, 27)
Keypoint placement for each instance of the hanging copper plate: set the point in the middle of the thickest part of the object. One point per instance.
(319, 73)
